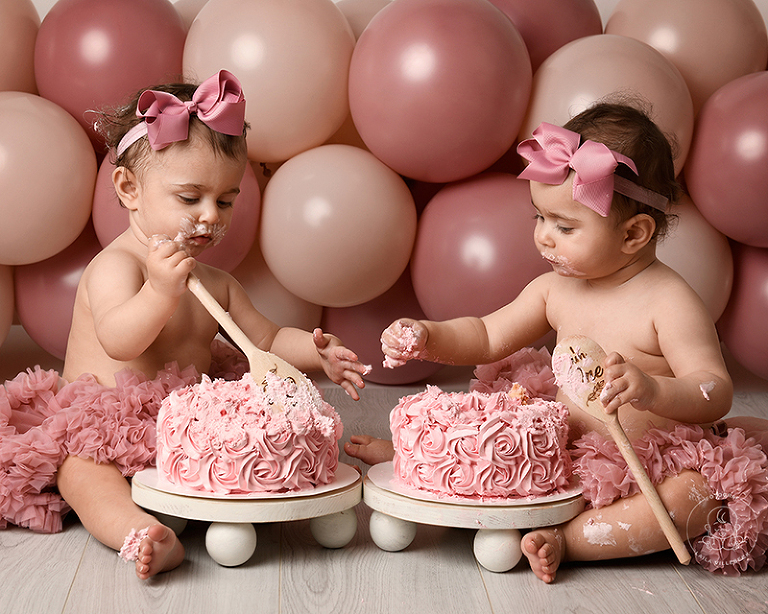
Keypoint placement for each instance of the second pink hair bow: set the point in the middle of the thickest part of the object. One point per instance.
(218, 102)
(554, 151)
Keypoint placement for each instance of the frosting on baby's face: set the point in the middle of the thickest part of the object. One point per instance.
(191, 229)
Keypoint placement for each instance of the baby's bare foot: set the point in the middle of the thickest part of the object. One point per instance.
(369, 449)
(159, 551)
(544, 549)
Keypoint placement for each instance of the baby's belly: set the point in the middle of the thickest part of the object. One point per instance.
(635, 423)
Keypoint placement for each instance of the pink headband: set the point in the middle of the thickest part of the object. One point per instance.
(554, 151)
(218, 102)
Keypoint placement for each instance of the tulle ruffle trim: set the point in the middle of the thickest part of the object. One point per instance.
(529, 367)
(735, 468)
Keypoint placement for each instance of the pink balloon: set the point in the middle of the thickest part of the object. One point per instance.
(439, 103)
(474, 249)
(45, 293)
(19, 23)
(293, 61)
(91, 54)
(726, 170)
(710, 41)
(6, 301)
(547, 25)
(701, 254)
(47, 174)
(596, 67)
(110, 219)
(743, 324)
(271, 298)
(360, 327)
(337, 226)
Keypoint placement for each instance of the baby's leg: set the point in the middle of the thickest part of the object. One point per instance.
(101, 497)
(626, 528)
(369, 449)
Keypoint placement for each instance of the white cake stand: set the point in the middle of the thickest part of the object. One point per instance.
(231, 537)
(398, 510)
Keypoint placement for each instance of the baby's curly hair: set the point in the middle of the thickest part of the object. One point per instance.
(626, 127)
(113, 124)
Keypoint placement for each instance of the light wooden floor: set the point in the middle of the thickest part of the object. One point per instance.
(289, 573)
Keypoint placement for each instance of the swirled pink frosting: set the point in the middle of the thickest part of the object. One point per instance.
(479, 445)
(234, 437)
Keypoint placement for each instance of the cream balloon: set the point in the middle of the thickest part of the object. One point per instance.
(611, 67)
(292, 59)
(337, 226)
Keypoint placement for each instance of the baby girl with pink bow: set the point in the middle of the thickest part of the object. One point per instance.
(600, 189)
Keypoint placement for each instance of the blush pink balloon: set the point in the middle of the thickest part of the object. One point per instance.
(438, 88)
(337, 226)
(293, 61)
(742, 326)
(6, 301)
(110, 219)
(91, 54)
(271, 298)
(19, 23)
(726, 169)
(701, 254)
(474, 249)
(45, 293)
(710, 41)
(614, 67)
(547, 25)
(360, 328)
(47, 174)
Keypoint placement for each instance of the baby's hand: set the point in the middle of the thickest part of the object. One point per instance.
(625, 383)
(168, 266)
(403, 340)
(340, 363)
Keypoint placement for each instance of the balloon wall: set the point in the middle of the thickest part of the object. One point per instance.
(382, 147)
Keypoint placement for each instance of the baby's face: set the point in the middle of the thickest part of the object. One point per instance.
(574, 239)
(187, 193)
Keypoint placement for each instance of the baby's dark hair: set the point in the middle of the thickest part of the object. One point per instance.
(628, 129)
(115, 123)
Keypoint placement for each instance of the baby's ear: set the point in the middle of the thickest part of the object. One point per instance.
(126, 186)
(638, 232)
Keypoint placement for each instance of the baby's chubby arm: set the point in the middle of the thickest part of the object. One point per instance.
(129, 311)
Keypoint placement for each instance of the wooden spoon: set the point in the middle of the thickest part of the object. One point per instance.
(259, 361)
(578, 364)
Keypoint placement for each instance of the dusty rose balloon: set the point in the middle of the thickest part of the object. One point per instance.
(710, 41)
(360, 328)
(47, 174)
(271, 298)
(45, 293)
(110, 219)
(19, 23)
(360, 12)
(6, 301)
(438, 88)
(474, 249)
(293, 61)
(743, 324)
(337, 226)
(701, 254)
(547, 25)
(589, 69)
(726, 169)
(91, 54)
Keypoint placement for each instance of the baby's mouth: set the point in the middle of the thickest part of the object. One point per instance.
(200, 234)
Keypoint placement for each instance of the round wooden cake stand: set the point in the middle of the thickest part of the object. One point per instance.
(398, 510)
(231, 537)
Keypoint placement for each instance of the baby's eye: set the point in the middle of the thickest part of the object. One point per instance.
(537, 216)
(188, 200)
(225, 204)
(565, 230)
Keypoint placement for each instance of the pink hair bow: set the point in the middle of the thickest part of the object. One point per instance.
(218, 102)
(554, 151)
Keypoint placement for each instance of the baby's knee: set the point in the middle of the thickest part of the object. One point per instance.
(690, 502)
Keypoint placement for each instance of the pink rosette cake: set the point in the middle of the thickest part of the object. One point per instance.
(237, 437)
(481, 445)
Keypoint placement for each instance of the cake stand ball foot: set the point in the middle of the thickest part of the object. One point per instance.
(334, 530)
(230, 543)
(176, 524)
(390, 533)
(498, 550)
